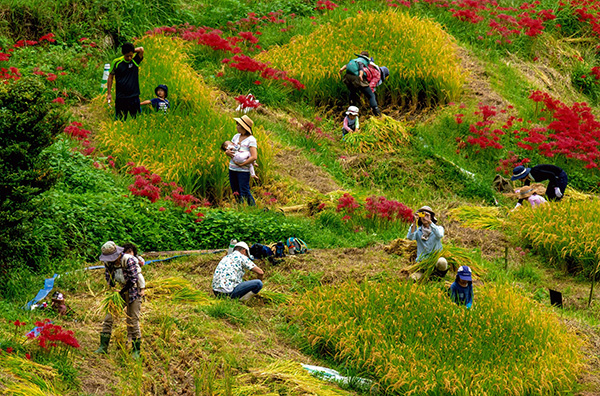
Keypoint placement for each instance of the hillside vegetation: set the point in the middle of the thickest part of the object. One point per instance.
(476, 88)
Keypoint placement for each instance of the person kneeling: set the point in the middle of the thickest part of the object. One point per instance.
(228, 276)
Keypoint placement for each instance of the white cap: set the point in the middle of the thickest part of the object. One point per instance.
(244, 245)
(352, 110)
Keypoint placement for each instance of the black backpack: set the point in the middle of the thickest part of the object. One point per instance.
(260, 251)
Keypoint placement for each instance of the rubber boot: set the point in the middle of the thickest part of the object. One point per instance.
(136, 344)
(104, 341)
(376, 111)
(247, 296)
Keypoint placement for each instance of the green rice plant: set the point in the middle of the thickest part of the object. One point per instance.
(479, 217)
(184, 145)
(275, 297)
(563, 231)
(113, 304)
(421, 57)
(413, 340)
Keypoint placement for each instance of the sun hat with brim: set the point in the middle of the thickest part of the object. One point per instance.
(526, 192)
(464, 273)
(352, 110)
(430, 211)
(243, 245)
(520, 172)
(110, 251)
(246, 123)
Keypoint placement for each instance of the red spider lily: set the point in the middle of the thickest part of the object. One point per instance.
(58, 100)
(11, 73)
(75, 131)
(326, 5)
(347, 203)
(48, 37)
(51, 335)
(51, 77)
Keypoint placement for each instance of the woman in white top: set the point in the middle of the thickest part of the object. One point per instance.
(239, 173)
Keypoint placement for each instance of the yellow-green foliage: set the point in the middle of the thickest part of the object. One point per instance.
(184, 145)
(378, 133)
(112, 303)
(562, 230)
(414, 340)
(421, 57)
(456, 256)
(177, 289)
(22, 377)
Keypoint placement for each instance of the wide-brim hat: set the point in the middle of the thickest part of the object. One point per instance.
(464, 273)
(430, 211)
(246, 123)
(352, 110)
(520, 172)
(526, 192)
(110, 251)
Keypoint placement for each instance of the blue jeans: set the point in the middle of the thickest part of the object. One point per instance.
(240, 290)
(240, 184)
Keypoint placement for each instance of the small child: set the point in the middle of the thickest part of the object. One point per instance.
(240, 156)
(528, 193)
(160, 103)
(58, 304)
(130, 251)
(350, 121)
(461, 291)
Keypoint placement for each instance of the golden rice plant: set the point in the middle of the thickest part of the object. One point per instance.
(414, 341)
(377, 134)
(184, 145)
(176, 289)
(23, 377)
(562, 230)
(421, 57)
(113, 304)
(456, 256)
(479, 217)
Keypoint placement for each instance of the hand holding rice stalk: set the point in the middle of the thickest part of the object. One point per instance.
(455, 256)
(113, 303)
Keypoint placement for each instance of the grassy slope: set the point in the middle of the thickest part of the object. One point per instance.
(190, 341)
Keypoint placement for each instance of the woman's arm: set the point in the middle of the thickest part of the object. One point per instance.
(253, 157)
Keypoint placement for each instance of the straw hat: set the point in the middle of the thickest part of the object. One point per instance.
(246, 123)
(526, 192)
(428, 209)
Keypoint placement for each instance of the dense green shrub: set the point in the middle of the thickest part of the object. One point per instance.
(28, 124)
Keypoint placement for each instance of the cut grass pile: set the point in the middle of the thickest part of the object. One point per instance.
(414, 340)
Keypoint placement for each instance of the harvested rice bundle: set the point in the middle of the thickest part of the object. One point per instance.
(402, 247)
(479, 217)
(113, 304)
(378, 134)
(176, 289)
(456, 256)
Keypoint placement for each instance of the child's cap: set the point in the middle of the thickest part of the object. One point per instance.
(352, 110)
(464, 273)
(164, 88)
(58, 296)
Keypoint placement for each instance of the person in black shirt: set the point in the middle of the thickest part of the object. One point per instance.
(556, 176)
(125, 71)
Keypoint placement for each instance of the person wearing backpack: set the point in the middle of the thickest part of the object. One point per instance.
(355, 80)
(124, 274)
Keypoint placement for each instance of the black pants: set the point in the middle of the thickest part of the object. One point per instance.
(124, 106)
(563, 180)
(355, 86)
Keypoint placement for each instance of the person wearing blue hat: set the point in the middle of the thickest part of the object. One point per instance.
(461, 291)
(557, 178)
(160, 103)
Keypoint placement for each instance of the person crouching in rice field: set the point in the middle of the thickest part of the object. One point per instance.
(228, 277)
(428, 235)
(124, 273)
(355, 80)
(350, 121)
(461, 291)
(528, 193)
(557, 178)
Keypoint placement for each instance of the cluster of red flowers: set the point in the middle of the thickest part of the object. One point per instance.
(12, 73)
(380, 207)
(151, 186)
(76, 131)
(247, 102)
(314, 132)
(587, 11)
(50, 335)
(253, 20)
(507, 165)
(347, 203)
(214, 38)
(326, 5)
(505, 22)
(482, 134)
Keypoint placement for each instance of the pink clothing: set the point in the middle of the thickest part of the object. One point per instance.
(536, 200)
(241, 156)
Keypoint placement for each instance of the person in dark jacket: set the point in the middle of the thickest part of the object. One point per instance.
(557, 178)
(354, 78)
